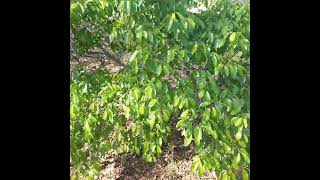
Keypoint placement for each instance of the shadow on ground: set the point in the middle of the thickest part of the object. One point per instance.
(101, 58)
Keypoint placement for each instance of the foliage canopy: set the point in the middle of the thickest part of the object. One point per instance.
(188, 67)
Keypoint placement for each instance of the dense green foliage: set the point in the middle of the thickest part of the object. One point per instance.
(191, 68)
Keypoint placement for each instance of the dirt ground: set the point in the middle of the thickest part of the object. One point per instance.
(101, 58)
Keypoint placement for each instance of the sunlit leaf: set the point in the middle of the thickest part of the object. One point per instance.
(197, 135)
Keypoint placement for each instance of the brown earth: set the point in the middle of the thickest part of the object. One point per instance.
(101, 58)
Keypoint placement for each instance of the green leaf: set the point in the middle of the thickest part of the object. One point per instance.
(136, 93)
(201, 93)
(85, 89)
(196, 158)
(182, 103)
(159, 141)
(92, 119)
(153, 147)
(210, 39)
(194, 166)
(170, 54)
(152, 119)
(224, 176)
(200, 169)
(233, 72)
(126, 112)
(158, 124)
(237, 121)
(214, 60)
(91, 107)
(129, 7)
(133, 56)
(148, 158)
(231, 175)
(113, 36)
(219, 43)
(152, 134)
(246, 140)
(158, 150)
(134, 65)
(139, 36)
(195, 48)
(232, 37)
(204, 104)
(210, 131)
(158, 85)
(151, 65)
(238, 135)
(192, 102)
(172, 19)
(184, 114)
(81, 7)
(110, 115)
(245, 122)
(214, 86)
(145, 147)
(137, 149)
(245, 174)
(213, 112)
(191, 22)
(207, 96)
(153, 102)
(72, 114)
(148, 91)
(195, 163)
(176, 101)
(197, 135)
(227, 148)
(187, 139)
(226, 71)
(141, 108)
(180, 123)
(166, 115)
(238, 158)
(166, 70)
(145, 34)
(105, 114)
(97, 110)
(87, 132)
(245, 155)
(159, 70)
(237, 104)
(181, 54)
(242, 144)
(206, 115)
(202, 83)
(150, 37)
(224, 93)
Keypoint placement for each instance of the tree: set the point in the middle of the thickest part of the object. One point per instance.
(205, 54)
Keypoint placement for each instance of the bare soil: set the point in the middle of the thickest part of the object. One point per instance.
(101, 58)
